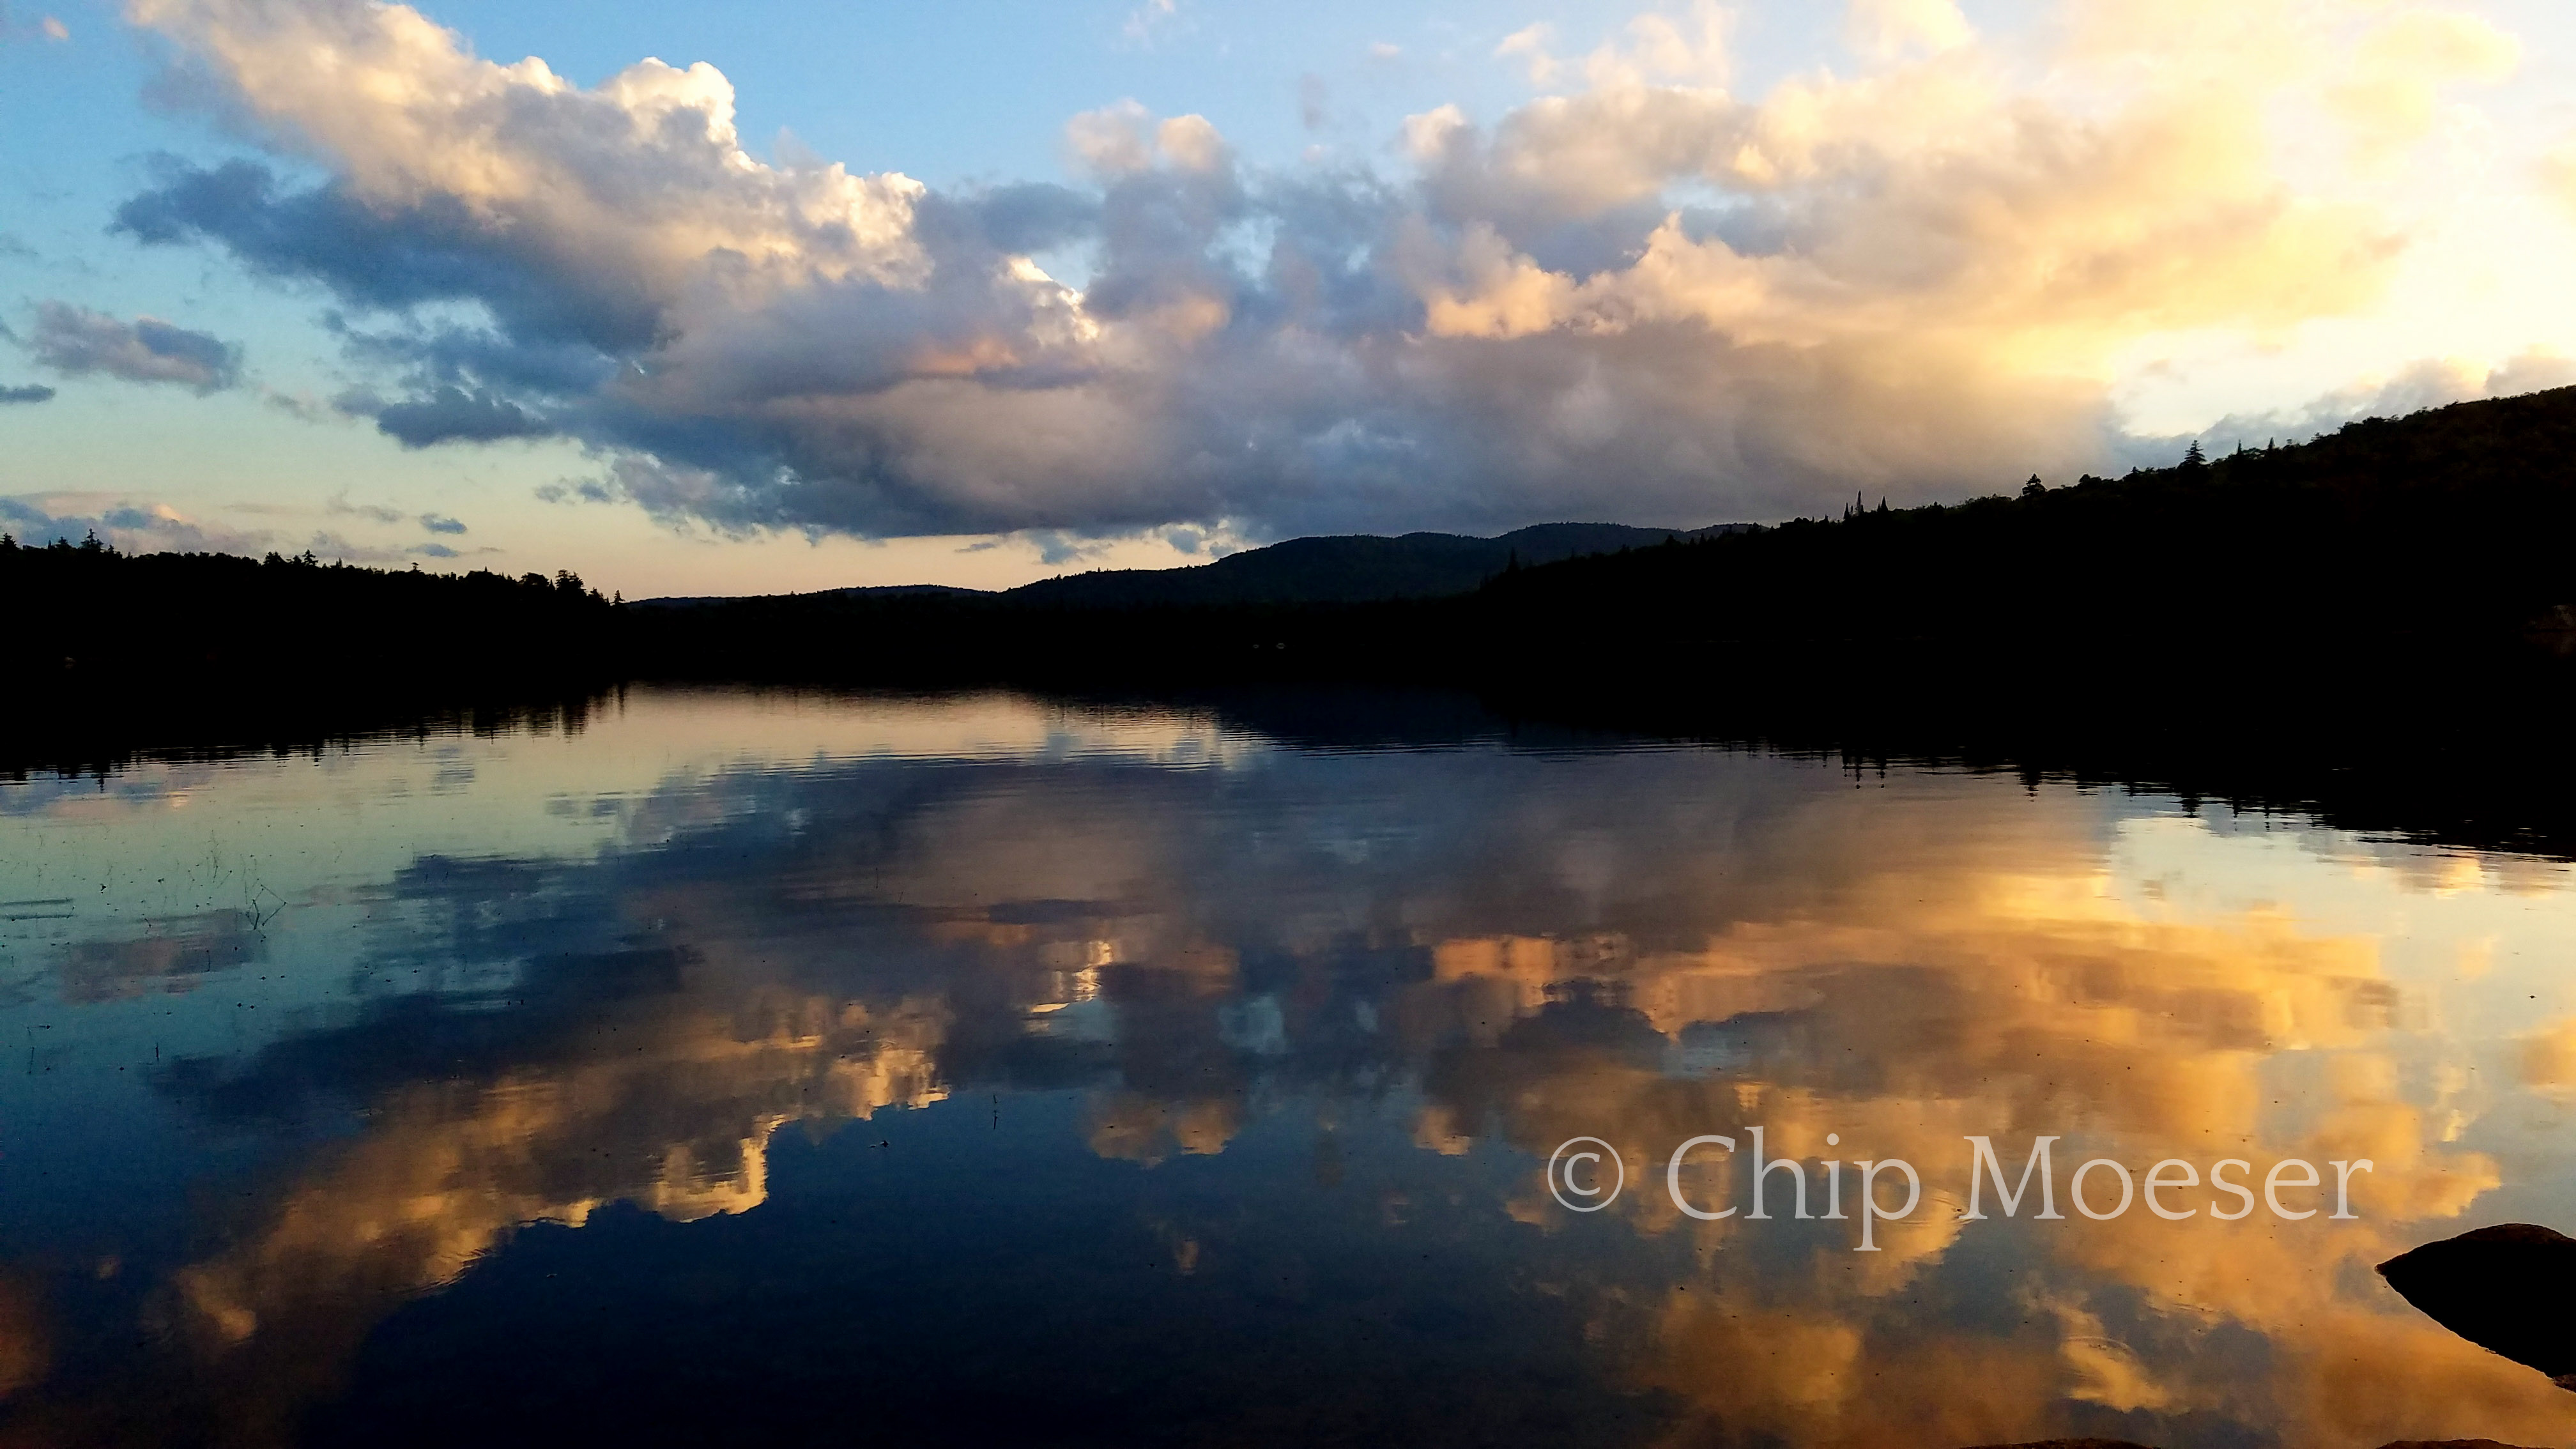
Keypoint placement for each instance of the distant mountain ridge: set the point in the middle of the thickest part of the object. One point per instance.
(880, 591)
(1350, 568)
(1335, 569)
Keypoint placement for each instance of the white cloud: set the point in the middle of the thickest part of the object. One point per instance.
(1885, 29)
(1427, 135)
(2426, 383)
(1653, 48)
(1647, 296)
(1530, 44)
(2391, 96)
(1151, 21)
(1125, 138)
(2557, 172)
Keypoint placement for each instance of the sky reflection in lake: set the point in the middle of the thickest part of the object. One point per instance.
(977, 1067)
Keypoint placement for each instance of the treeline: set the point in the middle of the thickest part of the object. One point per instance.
(2373, 627)
(2451, 525)
(89, 611)
(2432, 745)
(2393, 581)
(116, 651)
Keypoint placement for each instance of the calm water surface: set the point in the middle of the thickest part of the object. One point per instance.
(784, 1069)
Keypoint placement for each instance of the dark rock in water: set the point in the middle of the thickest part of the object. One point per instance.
(2507, 1289)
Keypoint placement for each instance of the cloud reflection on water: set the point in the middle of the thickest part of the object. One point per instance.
(1492, 948)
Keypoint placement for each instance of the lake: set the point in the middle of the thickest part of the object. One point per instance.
(720, 1066)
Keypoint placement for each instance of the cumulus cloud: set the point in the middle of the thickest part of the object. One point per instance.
(75, 341)
(1643, 294)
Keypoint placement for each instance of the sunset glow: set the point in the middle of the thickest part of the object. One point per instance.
(1430, 268)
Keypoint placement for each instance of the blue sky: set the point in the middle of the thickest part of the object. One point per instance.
(1110, 284)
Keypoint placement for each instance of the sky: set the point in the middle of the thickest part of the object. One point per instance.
(787, 295)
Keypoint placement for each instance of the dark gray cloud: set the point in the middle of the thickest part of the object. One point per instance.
(392, 258)
(1023, 218)
(76, 341)
(580, 490)
(30, 393)
(451, 414)
(439, 523)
